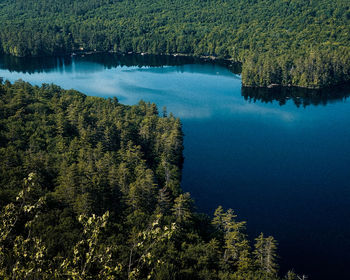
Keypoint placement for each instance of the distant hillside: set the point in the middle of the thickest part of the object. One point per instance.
(288, 42)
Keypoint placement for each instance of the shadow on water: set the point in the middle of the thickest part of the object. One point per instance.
(301, 97)
(32, 65)
(285, 170)
(108, 60)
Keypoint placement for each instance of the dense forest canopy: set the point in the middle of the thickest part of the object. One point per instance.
(286, 42)
(90, 189)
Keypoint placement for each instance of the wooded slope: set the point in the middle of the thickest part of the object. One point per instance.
(287, 42)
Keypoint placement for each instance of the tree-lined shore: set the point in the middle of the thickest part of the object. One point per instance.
(90, 189)
(289, 43)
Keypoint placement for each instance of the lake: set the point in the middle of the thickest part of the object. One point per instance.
(279, 158)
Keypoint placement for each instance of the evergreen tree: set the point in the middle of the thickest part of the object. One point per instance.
(265, 254)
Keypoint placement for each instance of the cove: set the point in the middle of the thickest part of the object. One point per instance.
(279, 158)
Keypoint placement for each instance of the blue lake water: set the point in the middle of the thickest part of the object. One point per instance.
(280, 159)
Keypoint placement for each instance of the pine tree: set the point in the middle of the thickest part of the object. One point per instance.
(265, 254)
(182, 207)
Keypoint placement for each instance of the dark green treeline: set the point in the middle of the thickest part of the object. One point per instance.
(286, 42)
(98, 196)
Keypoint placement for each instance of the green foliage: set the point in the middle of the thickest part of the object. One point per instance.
(287, 42)
(25, 257)
(182, 207)
(265, 254)
(92, 258)
(88, 151)
(144, 254)
(236, 246)
(22, 256)
(102, 199)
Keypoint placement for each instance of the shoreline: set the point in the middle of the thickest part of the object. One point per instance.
(228, 62)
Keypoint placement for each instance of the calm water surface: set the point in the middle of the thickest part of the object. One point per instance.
(280, 161)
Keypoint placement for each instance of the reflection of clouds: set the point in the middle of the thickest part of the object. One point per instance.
(208, 92)
(227, 110)
(126, 87)
(264, 111)
(105, 89)
(184, 112)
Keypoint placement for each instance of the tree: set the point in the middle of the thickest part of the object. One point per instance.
(236, 255)
(265, 254)
(22, 256)
(25, 256)
(182, 208)
(144, 256)
(92, 258)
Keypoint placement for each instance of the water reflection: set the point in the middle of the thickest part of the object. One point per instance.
(107, 60)
(157, 64)
(299, 96)
(32, 65)
(186, 88)
(280, 167)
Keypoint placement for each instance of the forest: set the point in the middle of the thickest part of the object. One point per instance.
(90, 189)
(285, 42)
